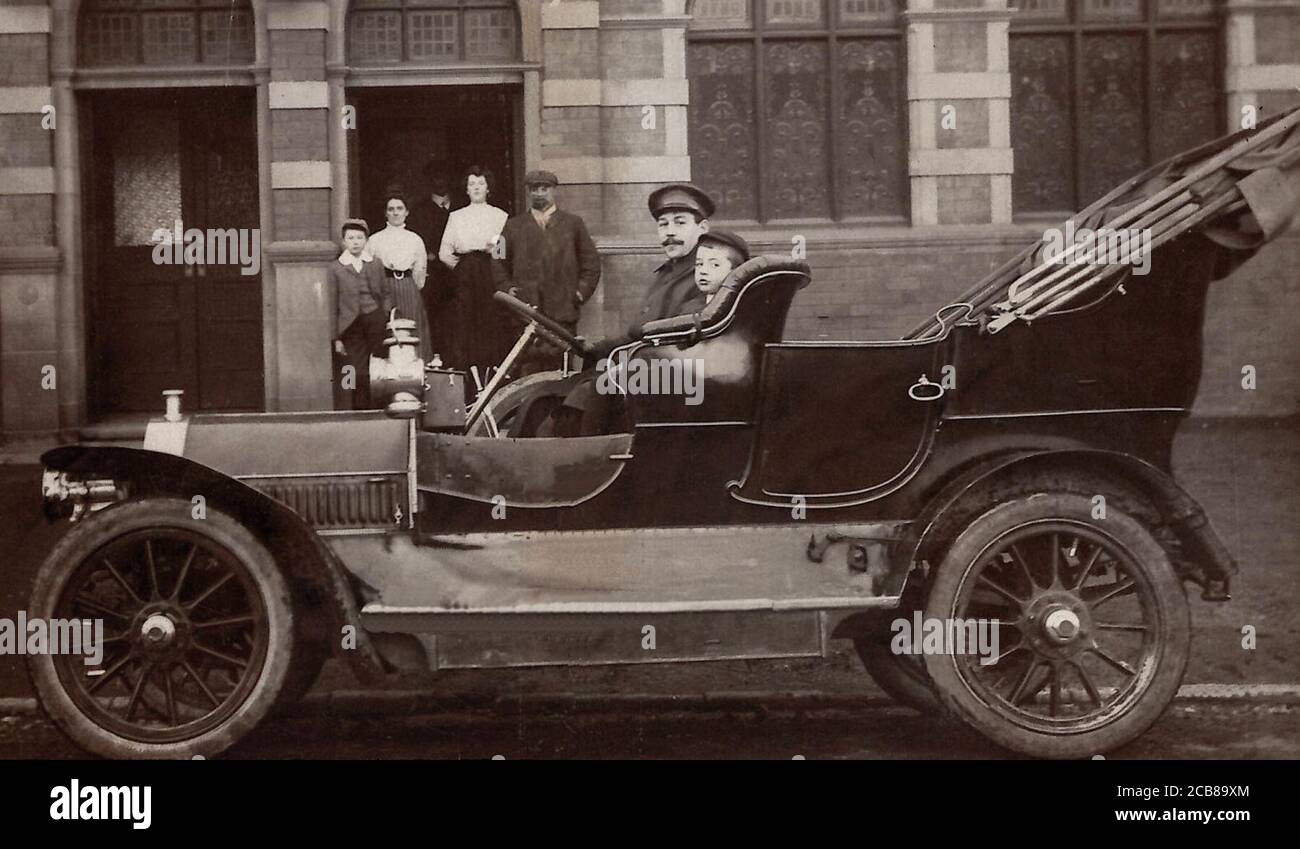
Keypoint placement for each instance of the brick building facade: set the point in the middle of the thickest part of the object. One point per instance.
(906, 147)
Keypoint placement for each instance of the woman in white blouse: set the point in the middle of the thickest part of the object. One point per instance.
(406, 264)
(484, 333)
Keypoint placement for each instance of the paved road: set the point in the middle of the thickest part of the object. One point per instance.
(1191, 730)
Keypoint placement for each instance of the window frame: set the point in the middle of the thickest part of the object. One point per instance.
(138, 12)
(830, 33)
(460, 7)
(1150, 25)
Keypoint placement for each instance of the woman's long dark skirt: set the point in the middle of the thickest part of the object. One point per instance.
(483, 330)
(406, 297)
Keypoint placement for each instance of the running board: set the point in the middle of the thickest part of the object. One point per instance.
(385, 618)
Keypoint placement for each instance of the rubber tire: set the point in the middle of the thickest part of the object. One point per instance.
(117, 520)
(898, 675)
(1173, 631)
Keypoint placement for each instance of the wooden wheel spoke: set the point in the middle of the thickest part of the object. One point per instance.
(185, 571)
(1000, 590)
(109, 674)
(117, 576)
(1087, 568)
(1093, 695)
(100, 608)
(1055, 562)
(225, 623)
(171, 697)
(1019, 692)
(229, 659)
(136, 690)
(1119, 626)
(1118, 664)
(1020, 560)
(185, 664)
(1054, 691)
(1120, 587)
(153, 569)
(218, 584)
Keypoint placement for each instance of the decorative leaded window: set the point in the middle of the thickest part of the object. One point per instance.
(799, 108)
(166, 32)
(386, 32)
(1101, 89)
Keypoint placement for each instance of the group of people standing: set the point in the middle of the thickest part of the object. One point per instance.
(440, 267)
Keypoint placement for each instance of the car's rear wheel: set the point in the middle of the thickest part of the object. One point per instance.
(1092, 626)
(197, 631)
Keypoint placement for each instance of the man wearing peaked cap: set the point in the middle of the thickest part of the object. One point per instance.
(681, 196)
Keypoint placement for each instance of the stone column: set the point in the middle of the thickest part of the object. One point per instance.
(1263, 58)
(41, 389)
(614, 100)
(959, 96)
(304, 158)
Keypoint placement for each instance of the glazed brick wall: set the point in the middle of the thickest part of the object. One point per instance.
(1277, 37)
(965, 199)
(623, 133)
(584, 200)
(26, 220)
(302, 215)
(24, 143)
(24, 59)
(626, 212)
(632, 54)
(297, 55)
(571, 131)
(571, 54)
(299, 135)
(972, 124)
(960, 46)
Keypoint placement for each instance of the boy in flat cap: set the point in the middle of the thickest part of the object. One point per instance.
(717, 253)
(362, 300)
(549, 261)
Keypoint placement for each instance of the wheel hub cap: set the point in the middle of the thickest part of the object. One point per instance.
(1061, 625)
(158, 630)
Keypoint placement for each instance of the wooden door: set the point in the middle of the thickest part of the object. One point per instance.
(158, 319)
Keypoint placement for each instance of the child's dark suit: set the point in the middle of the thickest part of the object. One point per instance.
(363, 301)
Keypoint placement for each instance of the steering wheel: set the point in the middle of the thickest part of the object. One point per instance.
(548, 325)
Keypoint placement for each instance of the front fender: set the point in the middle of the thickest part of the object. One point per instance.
(317, 574)
(1214, 564)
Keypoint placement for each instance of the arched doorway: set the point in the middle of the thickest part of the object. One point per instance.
(437, 86)
(170, 203)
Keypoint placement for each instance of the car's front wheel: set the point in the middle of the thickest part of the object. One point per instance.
(197, 627)
(1086, 624)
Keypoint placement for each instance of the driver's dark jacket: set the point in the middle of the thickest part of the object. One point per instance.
(672, 292)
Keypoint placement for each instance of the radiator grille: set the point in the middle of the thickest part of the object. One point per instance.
(335, 503)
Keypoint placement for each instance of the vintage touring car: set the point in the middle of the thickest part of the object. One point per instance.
(1007, 462)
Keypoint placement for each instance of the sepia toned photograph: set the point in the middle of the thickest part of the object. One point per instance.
(446, 380)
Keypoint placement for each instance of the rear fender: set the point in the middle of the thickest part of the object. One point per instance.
(321, 585)
(1203, 558)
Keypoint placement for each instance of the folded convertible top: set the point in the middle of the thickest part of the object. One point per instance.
(1239, 191)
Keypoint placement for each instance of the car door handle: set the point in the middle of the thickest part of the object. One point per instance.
(924, 390)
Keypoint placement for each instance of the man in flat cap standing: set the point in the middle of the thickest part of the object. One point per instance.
(550, 261)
